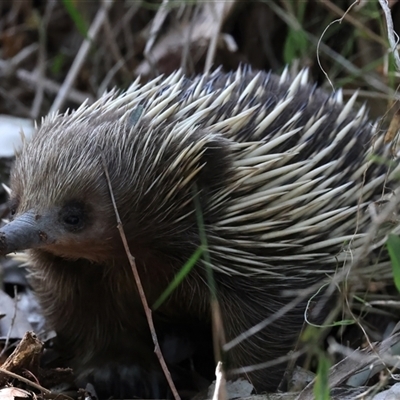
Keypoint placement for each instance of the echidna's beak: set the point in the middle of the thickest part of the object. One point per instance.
(24, 232)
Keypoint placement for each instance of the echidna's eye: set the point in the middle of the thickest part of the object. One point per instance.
(72, 220)
(13, 206)
(72, 216)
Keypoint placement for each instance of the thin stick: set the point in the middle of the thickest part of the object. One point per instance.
(81, 56)
(156, 26)
(32, 78)
(139, 285)
(41, 61)
(50, 86)
(5, 348)
(26, 381)
(218, 11)
(391, 33)
(220, 384)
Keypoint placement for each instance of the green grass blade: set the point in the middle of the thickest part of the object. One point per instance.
(321, 387)
(179, 277)
(393, 246)
(76, 16)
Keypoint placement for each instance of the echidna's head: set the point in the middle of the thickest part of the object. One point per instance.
(61, 200)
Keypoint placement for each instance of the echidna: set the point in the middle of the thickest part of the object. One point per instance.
(283, 174)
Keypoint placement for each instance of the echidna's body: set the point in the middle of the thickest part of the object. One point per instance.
(284, 177)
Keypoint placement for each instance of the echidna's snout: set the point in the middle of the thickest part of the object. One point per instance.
(69, 231)
(42, 228)
(28, 230)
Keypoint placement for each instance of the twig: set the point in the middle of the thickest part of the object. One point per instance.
(81, 56)
(18, 59)
(156, 26)
(109, 76)
(219, 11)
(25, 380)
(186, 45)
(126, 19)
(114, 49)
(41, 62)
(220, 384)
(391, 33)
(31, 78)
(52, 87)
(139, 285)
(5, 348)
(48, 394)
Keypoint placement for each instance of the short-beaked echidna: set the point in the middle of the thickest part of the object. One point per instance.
(283, 174)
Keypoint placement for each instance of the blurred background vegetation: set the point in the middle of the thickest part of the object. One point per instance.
(56, 53)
